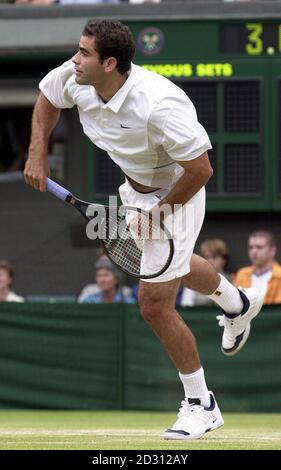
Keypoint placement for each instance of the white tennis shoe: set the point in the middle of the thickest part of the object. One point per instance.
(194, 420)
(237, 328)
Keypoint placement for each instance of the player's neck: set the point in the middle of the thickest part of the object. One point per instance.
(110, 87)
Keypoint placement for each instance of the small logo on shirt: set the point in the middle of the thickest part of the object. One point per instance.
(217, 292)
(125, 127)
(150, 41)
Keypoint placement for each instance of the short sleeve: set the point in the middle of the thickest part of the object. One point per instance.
(55, 86)
(180, 133)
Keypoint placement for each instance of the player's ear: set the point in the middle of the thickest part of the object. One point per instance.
(110, 64)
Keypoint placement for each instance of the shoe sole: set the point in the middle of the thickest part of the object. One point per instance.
(247, 329)
(197, 435)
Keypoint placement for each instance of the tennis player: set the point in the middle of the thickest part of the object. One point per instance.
(149, 127)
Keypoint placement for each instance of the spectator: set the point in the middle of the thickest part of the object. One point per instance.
(90, 289)
(106, 289)
(6, 280)
(216, 252)
(144, 1)
(265, 272)
(66, 2)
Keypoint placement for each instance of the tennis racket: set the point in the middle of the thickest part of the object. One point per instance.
(144, 249)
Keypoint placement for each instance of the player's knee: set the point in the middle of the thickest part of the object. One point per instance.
(150, 309)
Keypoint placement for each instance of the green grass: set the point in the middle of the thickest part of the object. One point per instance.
(103, 430)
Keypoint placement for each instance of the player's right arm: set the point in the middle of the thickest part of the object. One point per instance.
(55, 95)
(44, 119)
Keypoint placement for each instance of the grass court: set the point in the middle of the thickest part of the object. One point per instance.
(117, 430)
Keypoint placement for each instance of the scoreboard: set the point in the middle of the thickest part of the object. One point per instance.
(251, 38)
(232, 73)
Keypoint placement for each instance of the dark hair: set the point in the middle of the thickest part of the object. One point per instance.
(270, 238)
(112, 39)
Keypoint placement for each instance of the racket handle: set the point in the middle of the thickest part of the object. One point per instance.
(56, 189)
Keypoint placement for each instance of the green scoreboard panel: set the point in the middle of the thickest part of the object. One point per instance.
(231, 71)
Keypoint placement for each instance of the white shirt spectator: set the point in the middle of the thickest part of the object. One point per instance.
(146, 127)
(6, 281)
(260, 281)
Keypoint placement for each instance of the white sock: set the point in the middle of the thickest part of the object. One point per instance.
(195, 386)
(227, 297)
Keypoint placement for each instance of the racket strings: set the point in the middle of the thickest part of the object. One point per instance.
(120, 244)
(124, 245)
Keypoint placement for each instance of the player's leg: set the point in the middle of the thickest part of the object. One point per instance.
(157, 305)
(239, 306)
(204, 278)
(199, 411)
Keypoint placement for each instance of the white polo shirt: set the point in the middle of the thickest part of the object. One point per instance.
(146, 127)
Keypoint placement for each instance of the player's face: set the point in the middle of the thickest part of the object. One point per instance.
(5, 279)
(260, 251)
(88, 68)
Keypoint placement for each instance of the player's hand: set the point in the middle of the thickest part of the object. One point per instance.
(36, 171)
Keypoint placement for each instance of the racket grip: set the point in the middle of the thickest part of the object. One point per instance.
(56, 189)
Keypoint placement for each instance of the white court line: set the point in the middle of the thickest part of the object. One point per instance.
(130, 433)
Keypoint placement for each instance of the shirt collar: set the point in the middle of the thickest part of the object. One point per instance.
(118, 99)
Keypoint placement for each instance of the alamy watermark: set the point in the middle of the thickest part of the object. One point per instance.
(120, 222)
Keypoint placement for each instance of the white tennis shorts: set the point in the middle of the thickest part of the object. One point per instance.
(184, 225)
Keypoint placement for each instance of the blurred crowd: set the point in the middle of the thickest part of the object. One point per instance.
(96, 2)
(76, 2)
(108, 286)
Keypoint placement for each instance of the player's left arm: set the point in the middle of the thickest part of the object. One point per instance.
(197, 173)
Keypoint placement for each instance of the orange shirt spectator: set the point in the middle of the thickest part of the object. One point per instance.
(265, 272)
